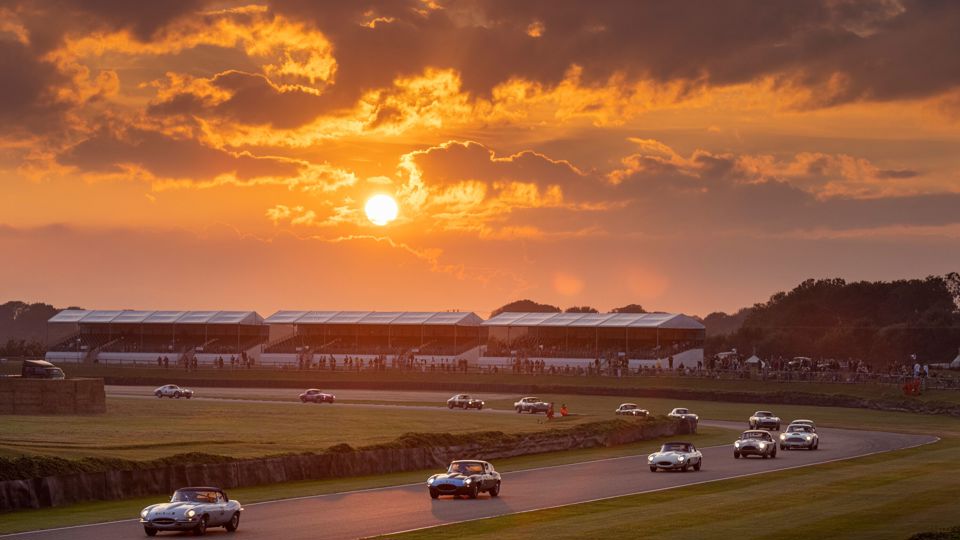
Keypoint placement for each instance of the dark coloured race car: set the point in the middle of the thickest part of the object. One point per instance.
(464, 401)
(755, 442)
(316, 396)
(192, 509)
(465, 477)
(764, 420)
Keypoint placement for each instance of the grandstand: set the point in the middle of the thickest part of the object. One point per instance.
(371, 333)
(581, 338)
(78, 335)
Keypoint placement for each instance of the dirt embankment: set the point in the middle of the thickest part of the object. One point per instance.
(42, 482)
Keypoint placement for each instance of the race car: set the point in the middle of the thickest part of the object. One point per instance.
(631, 409)
(465, 477)
(192, 509)
(804, 421)
(531, 405)
(173, 391)
(676, 456)
(464, 401)
(764, 420)
(755, 442)
(316, 396)
(683, 413)
(799, 436)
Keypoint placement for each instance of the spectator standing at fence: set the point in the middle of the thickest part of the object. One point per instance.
(550, 411)
(563, 409)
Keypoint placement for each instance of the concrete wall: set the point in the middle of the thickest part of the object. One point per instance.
(46, 396)
(161, 482)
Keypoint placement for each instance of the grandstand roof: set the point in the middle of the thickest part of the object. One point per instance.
(445, 318)
(603, 320)
(128, 316)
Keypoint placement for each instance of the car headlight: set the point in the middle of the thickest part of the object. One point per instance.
(809, 438)
(763, 445)
(144, 512)
(681, 459)
(736, 443)
(468, 481)
(429, 480)
(650, 457)
(191, 513)
(783, 436)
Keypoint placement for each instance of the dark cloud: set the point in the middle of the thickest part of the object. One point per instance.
(27, 100)
(168, 157)
(879, 49)
(897, 173)
(253, 100)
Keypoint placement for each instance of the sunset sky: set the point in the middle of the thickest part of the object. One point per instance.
(686, 156)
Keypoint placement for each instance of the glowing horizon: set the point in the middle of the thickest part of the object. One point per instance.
(205, 154)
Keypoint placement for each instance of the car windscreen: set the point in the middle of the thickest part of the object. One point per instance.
(755, 435)
(195, 496)
(798, 429)
(675, 447)
(466, 468)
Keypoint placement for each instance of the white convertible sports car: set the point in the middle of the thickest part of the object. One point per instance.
(676, 455)
(173, 391)
(630, 409)
(192, 509)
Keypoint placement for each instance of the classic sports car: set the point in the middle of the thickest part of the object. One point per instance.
(631, 409)
(316, 396)
(531, 405)
(799, 436)
(465, 477)
(681, 412)
(755, 442)
(173, 391)
(805, 422)
(676, 455)
(464, 401)
(764, 420)
(192, 509)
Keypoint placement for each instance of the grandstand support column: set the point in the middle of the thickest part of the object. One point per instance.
(454, 338)
(596, 342)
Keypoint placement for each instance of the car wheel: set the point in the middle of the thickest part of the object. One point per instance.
(773, 455)
(434, 494)
(234, 522)
(479, 407)
(736, 455)
(495, 492)
(188, 396)
(303, 400)
(698, 465)
(159, 395)
(474, 491)
(450, 405)
(778, 427)
(150, 531)
(653, 468)
(816, 445)
(782, 447)
(176, 395)
(201, 527)
(519, 410)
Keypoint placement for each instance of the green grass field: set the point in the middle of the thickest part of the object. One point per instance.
(150, 428)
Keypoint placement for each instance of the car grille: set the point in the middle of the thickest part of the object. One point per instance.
(163, 521)
(447, 487)
(665, 463)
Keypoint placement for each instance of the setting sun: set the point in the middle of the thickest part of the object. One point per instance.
(381, 209)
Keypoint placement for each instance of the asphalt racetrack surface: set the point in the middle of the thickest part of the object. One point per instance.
(400, 508)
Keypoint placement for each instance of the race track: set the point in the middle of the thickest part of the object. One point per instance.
(400, 508)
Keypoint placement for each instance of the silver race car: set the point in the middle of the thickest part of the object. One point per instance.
(681, 456)
(173, 391)
(683, 413)
(465, 477)
(764, 420)
(630, 409)
(192, 509)
(755, 442)
(799, 436)
(805, 422)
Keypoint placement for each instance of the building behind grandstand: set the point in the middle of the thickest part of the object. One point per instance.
(293, 338)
